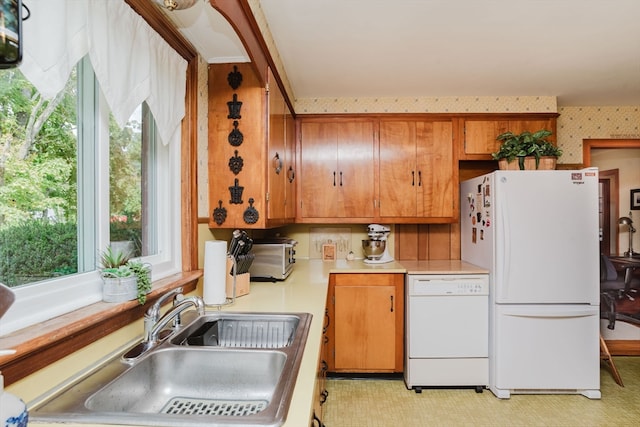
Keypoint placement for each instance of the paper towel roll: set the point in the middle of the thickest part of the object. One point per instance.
(215, 265)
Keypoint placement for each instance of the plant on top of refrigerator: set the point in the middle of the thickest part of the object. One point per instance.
(527, 144)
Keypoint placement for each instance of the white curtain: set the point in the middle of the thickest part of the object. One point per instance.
(131, 61)
(55, 39)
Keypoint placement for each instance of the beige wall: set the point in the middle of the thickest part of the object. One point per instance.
(578, 123)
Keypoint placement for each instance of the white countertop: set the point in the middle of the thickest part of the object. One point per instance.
(305, 290)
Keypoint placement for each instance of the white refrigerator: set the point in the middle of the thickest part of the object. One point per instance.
(537, 234)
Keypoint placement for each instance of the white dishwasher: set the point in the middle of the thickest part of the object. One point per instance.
(447, 331)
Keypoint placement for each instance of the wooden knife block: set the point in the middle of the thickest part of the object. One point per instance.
(242, 282)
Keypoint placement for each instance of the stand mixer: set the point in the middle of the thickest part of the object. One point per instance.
(375, 248)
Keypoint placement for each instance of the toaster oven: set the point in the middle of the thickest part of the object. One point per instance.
(274, 259)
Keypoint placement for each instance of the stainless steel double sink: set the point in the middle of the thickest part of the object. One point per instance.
(219, 369)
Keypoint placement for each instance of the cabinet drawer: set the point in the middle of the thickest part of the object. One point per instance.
(364, 279)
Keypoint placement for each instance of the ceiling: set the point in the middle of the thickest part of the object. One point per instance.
(584, 52)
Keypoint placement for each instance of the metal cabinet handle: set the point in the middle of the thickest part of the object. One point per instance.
(277, 163)
(419, 178)
(413, 178)
(327, 322)
(340, 178)
(334, 178)
(291, 174)
(391, 298)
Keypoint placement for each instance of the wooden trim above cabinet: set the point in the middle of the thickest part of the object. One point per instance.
(240, 16)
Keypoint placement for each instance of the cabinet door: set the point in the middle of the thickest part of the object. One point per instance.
(436, 192)
(365, 328)
(416, 169)
(276, 157)
(398, 174)
(319, 156)
(480, 135)
(337, 173)
(355, 169)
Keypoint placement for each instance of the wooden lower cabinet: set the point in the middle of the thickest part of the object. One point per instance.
(321, 394)
(366, 327)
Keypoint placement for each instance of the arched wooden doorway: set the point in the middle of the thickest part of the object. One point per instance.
(609, 190)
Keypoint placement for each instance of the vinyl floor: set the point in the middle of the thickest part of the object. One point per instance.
(388, 403)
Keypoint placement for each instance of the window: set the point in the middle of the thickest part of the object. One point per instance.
(72, 182)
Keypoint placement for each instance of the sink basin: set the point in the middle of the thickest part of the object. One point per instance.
(240, 331)
(178, 383)
(187, 381)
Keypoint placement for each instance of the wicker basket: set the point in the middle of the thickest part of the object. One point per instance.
(546, 163)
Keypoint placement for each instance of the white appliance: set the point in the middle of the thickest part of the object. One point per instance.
(378, 235)
(537, 234)
(447, 331)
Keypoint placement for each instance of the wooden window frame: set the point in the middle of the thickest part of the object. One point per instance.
(38, 346)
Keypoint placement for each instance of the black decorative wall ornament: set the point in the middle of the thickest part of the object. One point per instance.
(234, 108)
(234, 78)
(236, 193)
(235, 163)
(235, 136)
(251, 214)
(220, 214)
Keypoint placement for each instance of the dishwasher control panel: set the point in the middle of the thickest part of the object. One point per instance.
(449, 284)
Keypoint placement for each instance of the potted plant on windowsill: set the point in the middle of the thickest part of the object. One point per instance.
(143, 276)
(119, 281)
(532, 151)
(124, 279)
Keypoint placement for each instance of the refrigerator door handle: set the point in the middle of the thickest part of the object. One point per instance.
(506, 245)
(550, 311)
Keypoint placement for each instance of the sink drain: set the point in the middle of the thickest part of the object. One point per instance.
(237, 408)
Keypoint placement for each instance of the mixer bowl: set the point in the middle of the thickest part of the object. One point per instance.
(373, 249)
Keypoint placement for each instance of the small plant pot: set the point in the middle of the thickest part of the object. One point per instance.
(119, 289)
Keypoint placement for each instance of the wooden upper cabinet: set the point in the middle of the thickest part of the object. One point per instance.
(276, 154)
(336, 171)
(480, 133)
(280, 157)
(246, 148)
(417, 179)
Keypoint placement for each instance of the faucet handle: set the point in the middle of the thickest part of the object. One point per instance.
(154, 311)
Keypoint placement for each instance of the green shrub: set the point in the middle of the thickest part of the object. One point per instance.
(37, 250)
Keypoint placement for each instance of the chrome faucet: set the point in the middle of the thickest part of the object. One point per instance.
(172, 314)
(152, 315)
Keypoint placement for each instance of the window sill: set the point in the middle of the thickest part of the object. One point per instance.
(38, 346)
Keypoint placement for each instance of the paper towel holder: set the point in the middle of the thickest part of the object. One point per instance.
(229, 300)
